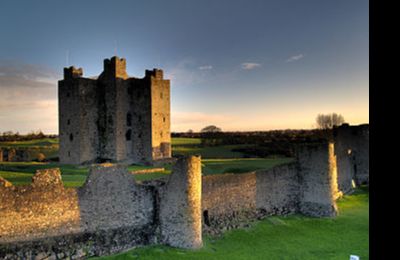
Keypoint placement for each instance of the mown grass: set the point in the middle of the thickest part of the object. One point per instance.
(177, 141)
(292, 237)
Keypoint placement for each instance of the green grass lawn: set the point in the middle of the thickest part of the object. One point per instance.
(182, 141)
(292, 237)
(192, 146)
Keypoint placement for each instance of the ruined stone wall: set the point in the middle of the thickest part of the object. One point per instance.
(362, 155)
(224, 194)
(180, 205)
(278, 189)
(317, 180)
(352, 151)
(307, 186)
(231, 200)
(109, 214)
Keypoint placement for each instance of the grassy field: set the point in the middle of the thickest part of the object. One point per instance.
(292, 237)
(20, 173)
(223, 161)
(192, 146)
(180, 146)
(46, 142)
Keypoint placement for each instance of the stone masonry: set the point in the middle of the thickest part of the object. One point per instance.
(114, 117)
(352, 152)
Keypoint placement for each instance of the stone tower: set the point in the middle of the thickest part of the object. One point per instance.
(114, 117)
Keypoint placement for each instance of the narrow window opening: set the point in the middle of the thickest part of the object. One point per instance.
(71, 137)
(206, 218)
(128, 135)
(129, 119)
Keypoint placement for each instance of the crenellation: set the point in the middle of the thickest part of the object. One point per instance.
(155, 73)
(72, 72)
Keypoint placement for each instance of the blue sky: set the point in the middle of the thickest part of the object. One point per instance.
(242, 65)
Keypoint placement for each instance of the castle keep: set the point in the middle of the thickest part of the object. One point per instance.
(114, 117)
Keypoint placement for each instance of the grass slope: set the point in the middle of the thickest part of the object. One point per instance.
(292, 237)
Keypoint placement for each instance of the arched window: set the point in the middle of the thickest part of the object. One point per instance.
(129, 119)
(71, 137)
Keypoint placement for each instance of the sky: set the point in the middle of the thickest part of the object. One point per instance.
(239, 64)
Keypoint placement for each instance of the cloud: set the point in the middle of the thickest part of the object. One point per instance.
(187, 72)
(205, 67)
(28, 97)
(250, 65)
(296, 57)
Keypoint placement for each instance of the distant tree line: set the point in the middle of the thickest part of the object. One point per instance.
(260, 143)
(10, 136)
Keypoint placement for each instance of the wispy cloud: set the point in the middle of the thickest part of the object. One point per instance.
(28, 97)
(250, 65)
(296, 57)
(205, 67)
(187, 72)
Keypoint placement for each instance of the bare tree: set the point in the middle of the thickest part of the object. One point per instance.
(328, 121)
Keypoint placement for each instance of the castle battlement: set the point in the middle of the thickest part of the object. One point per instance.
(115, 67)
(156, 73)
(72, 72)
(105, 119)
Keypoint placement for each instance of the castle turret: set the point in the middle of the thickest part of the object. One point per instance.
(115, 67)
(155, 73)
